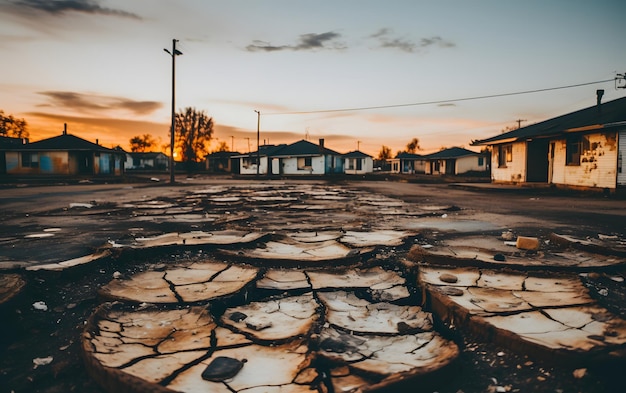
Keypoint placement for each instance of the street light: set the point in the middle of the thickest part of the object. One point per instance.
(175, 52)
(258, 147)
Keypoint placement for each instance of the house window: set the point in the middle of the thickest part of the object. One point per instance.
(576, 146)
(30, 160)
(304, 163)
(481, 161)
(505, 154)
(359, 164)
(247, 162)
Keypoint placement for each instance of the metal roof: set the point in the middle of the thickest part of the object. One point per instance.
(591, 118)
(453, 152)
(64, 142)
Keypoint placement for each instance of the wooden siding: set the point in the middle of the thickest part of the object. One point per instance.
(621, 160)
(515, 171)
(597, 165)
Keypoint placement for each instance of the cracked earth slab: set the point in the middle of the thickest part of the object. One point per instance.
(283, 343)
(200, 281)
(551, 317)
(489, 251)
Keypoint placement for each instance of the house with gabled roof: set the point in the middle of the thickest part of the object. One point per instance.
(455, 161)
(357, 163)
(581, 149)
(65, 154)
(408, 163)
(306, 158)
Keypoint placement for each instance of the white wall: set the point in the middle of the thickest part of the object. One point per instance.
(515, 171)
(470, 163)
(597, 167)
(367, 165)
(251, 169)
(290, 166)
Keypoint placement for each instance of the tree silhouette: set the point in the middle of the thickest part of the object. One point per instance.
(194, 131)
(384, 153)
(12, 127)
(413, 146)
(142, 143)
(223, 146)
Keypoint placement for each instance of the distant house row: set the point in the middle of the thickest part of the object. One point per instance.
(307, 158)
(583, 149)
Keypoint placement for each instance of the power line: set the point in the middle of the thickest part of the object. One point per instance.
(365, 108)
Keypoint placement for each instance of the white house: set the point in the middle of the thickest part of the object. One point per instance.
(582, 149)
(408, 163)
(455, 161)
(306, 158)
(357, 163)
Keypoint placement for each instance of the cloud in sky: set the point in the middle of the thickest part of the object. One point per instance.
(58, 7)
(386, 40)
(305, 42)
(88, 103)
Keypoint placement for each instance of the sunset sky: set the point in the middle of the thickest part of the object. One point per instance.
(357, 73)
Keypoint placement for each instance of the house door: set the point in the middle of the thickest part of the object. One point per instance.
(621, 159)
(537, 162)
(451, 167)
(551, 162)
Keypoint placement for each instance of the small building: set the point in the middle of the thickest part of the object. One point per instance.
(147, 161)
(455, 161)
(65, 154)
(408, 163)
(306, 158)
(581, 149)
(357, 163)
(222, 162)
(248, 162)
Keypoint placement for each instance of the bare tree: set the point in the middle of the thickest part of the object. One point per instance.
(413, 146)
(194, 131)
(384, 153)
(142, 143)
(10, 126)
(222, 146)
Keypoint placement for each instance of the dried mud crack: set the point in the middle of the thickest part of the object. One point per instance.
(305, 287)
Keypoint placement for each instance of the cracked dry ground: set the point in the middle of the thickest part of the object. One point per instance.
(296, 288)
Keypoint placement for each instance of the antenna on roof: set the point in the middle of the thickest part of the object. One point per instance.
(64, 128)
(620, 81)
(306, 134)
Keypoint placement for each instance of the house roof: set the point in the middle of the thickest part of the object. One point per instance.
(264, 150)
(64, 142)
(223, 154)
(453, 152)
(593, 117)
(6, 141)
(356, 154)
(302, 148)
(408, 156)
(147, 154)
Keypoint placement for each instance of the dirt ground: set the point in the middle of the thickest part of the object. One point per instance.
(71, 296)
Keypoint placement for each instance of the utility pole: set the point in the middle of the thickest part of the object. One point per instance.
(519, 122)
(258, 145)
(173, 53)
(248, 138)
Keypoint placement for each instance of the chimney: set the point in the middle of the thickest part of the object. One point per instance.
(321, 142)
(64, 128)
(97, 142)
(599, 94)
